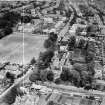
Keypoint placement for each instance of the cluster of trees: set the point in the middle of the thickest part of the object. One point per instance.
(78, 76)
(73, 43)
(12, 17)
(42, 75)
(87, 46)
(6, 31)
(50, 46)
(7, 21)
(84, 72)
(44, 60)
(70, 75)
(86, 11)
(45, 57)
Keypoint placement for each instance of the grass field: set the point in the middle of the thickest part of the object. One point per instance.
(14, 50)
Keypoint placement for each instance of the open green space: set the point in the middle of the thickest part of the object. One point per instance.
(20, 48)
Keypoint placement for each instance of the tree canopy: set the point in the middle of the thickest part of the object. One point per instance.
(50, 76)
(33, 61)
(46, 56)
(53, 37)
(25, 19)
(48, 43)
(71, 42)
(12, 17)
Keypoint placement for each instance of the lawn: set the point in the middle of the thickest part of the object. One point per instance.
(14, 50)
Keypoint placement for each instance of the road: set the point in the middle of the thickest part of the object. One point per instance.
(66, 28)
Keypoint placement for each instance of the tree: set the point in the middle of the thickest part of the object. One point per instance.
(45, 59)
(72, 76)
(34, 77)
(33, 61)
(46, 56)
(68, 13)
(86, 10)
(50, 76)
(64, 75)
(75, 77)
(46, 75)
(4, 4)
(2, 34)
(79, 30)
(42, 65)
(81, 83)
(12, 17)
(86, 45)
(53, 37)
(25, 19)
(4, 23)
(43, 75)
(84, 76)
(89, 58)
(91, 47)
(10, 76)
(91, 68)
(50, 103)
(86, 72)
(57, 80)
(81, 43)
(90, 52)
(48, 43)
(93, 35)
(71, 43)
(7, 30)
(87, 87)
